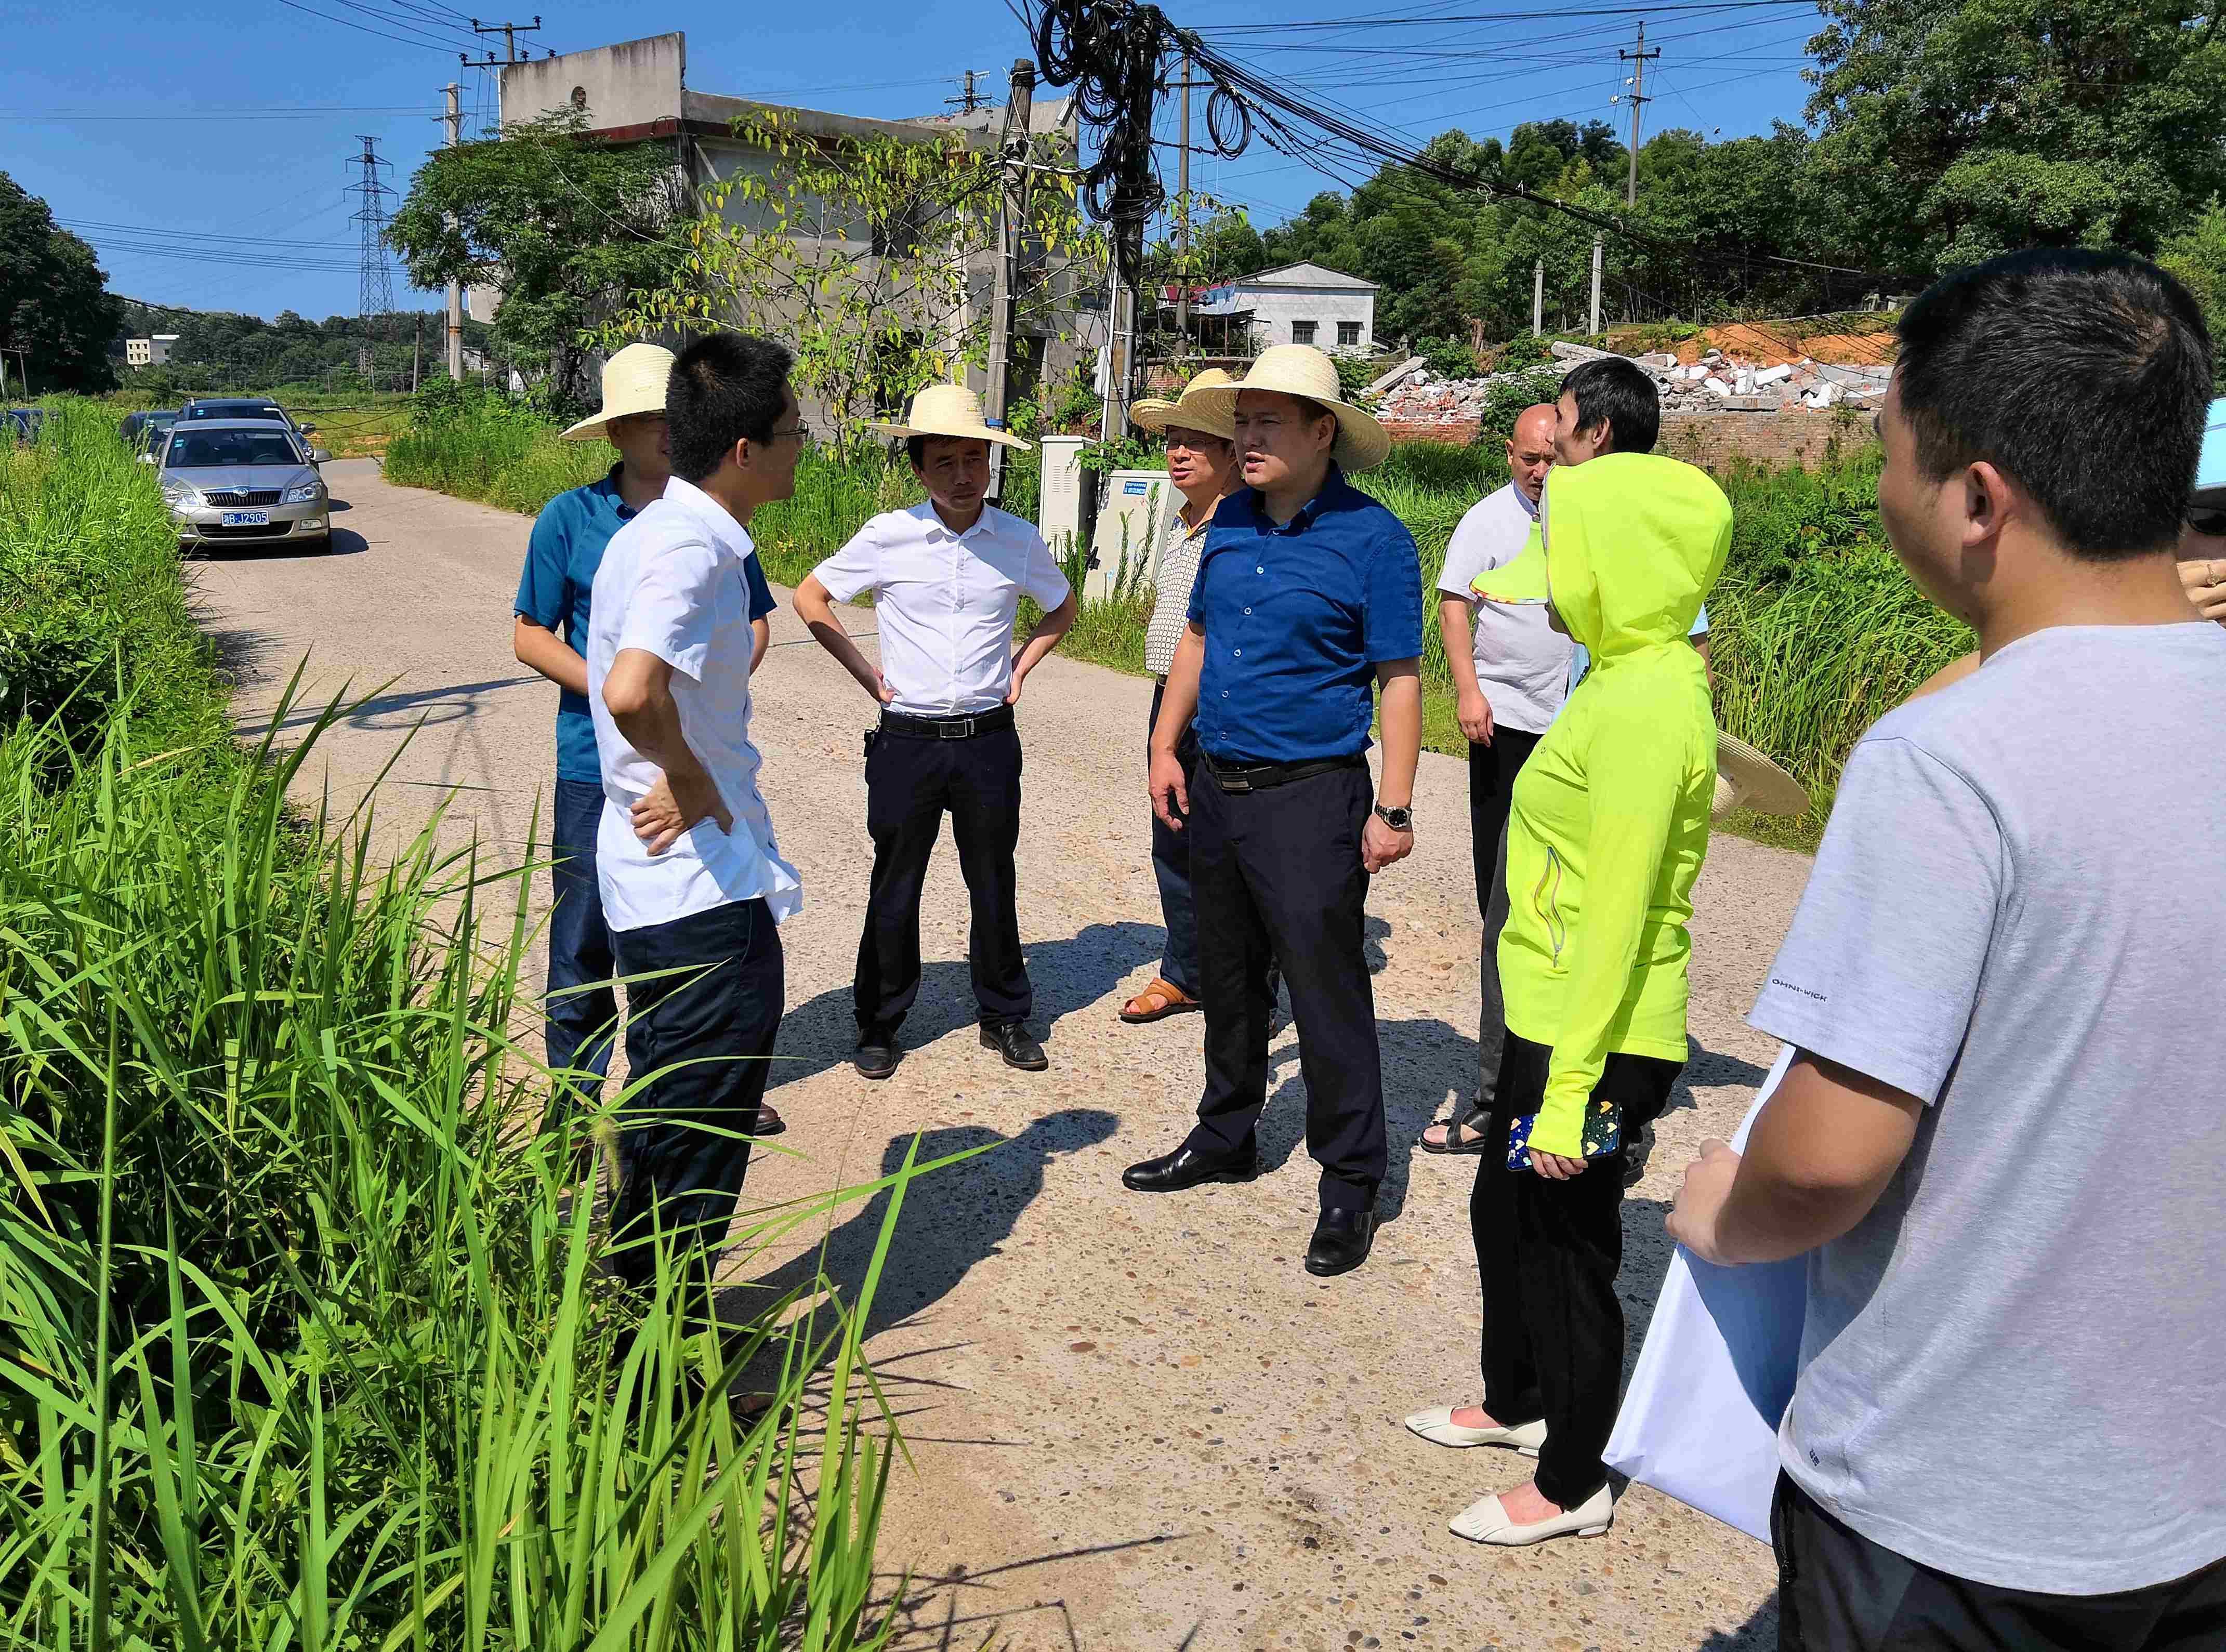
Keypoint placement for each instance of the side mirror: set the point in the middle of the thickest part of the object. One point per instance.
(308, 429)
(318, 455)
(146, 458)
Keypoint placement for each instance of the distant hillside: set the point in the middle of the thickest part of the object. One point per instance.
(218, 350)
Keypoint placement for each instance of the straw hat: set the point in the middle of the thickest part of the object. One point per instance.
(633, 382)
(948, 410)
(1747, 779)
(1192, 411)
(1301, 370)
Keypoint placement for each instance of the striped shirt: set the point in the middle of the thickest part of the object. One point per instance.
(1171, 597)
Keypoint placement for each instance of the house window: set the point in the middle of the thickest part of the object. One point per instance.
(1303, 332)
(1348, 333)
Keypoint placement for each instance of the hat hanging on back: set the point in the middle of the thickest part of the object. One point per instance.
(948, 410)
(633, 382)
(1747, 779)
(1192, 411)
(1301, 370)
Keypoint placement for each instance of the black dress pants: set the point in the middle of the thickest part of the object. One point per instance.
(910, 782)
(1547, 1254)
(1276, 875)
(1492, 772)
(1839, 1592)
(703, 1037)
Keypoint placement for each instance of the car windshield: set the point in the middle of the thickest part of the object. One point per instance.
(208, 449)
(238, 410)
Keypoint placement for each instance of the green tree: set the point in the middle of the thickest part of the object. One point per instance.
(2196, 255)
(871, 257)
(1954, 130)
(54, 302)
(563, 226)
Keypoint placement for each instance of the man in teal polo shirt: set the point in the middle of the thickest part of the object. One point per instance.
(548, 633)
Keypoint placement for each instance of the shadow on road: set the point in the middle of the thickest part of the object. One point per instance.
(968, 1608)
(1068, 975)
(344, 543)
(951, 1218)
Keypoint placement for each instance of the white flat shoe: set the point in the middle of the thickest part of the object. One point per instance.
(1485, 1520)
(1437, 1426)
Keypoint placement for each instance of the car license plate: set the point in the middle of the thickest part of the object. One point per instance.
(247, 519)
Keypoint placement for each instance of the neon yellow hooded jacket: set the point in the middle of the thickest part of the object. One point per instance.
(1609, 821)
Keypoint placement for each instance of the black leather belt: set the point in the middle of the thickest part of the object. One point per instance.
(982, 722)
(1259, 776)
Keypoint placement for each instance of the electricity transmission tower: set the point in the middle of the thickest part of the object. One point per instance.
(375, 281)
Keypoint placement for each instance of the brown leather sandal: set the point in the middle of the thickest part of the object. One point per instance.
(1157, 1001)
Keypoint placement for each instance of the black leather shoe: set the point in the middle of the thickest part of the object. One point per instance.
(1011, 1041)
(877, 1055)
(1186, 1167)
(1342, 1241)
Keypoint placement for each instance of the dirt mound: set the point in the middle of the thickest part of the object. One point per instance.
(1769, 344)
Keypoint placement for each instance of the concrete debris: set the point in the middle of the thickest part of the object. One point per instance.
(1398, 375)
(1413, 395)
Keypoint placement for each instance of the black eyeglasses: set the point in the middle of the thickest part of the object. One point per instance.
(2210, 524)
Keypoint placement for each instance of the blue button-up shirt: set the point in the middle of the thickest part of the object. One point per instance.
(561, 560)
(1297, 617)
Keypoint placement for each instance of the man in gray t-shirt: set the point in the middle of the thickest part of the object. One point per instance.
(2003, 1143)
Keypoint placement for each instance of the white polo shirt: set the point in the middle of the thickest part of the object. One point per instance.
(673, 583)
(1522, 662)
(944, 602)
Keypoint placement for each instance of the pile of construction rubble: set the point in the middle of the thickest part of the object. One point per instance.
(1717, 383)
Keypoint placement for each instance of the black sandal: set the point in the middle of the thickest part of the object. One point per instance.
(1475, 1125)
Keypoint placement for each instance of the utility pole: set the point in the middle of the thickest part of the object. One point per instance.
(1594, 331)
(455, 318)
(1638, 60)
(1182, 215)
(417, 352)
(1538, 299)
(1012, 211)
(374, 279)
(509, 32)
(967, 100)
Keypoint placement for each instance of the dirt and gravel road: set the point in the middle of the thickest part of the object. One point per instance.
(1134, 1423)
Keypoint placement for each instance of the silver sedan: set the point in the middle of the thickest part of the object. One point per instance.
(233, 482)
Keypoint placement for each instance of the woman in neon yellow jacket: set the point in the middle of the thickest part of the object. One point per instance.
(1605, 837)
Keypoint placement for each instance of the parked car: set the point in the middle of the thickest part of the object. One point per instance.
(144, 431)
(243, 407)
(230, 481)
(22, 423)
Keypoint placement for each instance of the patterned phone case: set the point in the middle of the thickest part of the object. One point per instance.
(1603, 1133)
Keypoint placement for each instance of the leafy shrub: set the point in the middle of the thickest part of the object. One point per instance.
(1448, 357)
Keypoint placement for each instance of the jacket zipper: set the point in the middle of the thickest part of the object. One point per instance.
(1547, 905)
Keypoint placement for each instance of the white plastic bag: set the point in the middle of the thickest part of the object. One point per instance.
(1714, 1376)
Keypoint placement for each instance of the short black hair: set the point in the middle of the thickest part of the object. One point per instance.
(2083, 376)
(725, 388)
(916, 447)
(1617, 389)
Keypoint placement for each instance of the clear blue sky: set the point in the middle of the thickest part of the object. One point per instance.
(202, 145)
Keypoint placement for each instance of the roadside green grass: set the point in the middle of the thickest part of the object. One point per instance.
(1817, 632)
(304, 1337)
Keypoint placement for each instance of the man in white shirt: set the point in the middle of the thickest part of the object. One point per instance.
(1511, 672)
(946, 577)
(692, 882)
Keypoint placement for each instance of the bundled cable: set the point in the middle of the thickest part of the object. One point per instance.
(1108, 51)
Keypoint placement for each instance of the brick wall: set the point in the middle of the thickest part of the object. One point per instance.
(1713, 441)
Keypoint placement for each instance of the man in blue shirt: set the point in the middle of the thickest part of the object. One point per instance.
(550, 632)
(1309, 598)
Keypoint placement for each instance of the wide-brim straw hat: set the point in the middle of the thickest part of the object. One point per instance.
(633, 382)
(1301, 370)
(948, 410)
(1747, 779)
(1192, 411)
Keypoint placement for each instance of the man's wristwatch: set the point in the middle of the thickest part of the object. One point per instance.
(1399, 820)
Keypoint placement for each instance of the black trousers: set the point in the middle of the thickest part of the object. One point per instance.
(1276, 875)
(1547, 1254)
(682, 1147)
(1492, 772)
(910, 782)
(1839, 1592)
(1171, 867)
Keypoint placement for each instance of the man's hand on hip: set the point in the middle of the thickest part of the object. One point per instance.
(673, 805)
(1380, 846)
(1170, 791)
(1474, 712)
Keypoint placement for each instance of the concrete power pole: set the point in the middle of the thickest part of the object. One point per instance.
(455, 118)
(1593, 332)
(1538, 299)
(1012, 209)
(1182, 217)
(1638, 60)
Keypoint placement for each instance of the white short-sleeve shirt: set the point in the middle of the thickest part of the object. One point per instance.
(674, 583)
(944, 602)
(1522, 662)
